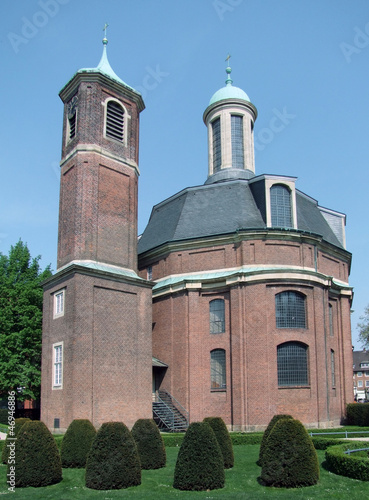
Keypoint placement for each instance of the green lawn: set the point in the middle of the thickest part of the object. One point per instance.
(241, 482)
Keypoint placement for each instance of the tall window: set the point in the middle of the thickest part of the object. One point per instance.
(58, 365)
(292, 363)
(331, 331)
(72, 117)
(280, 203)
(217, 147)
(114, 121)
(237, 141)
(333, 369)
(217, 316)
(59, 303)
(290, 310)
(218, 369)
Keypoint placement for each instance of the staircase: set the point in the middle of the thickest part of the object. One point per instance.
(168, 413)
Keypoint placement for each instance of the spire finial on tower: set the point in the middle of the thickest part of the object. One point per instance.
(105, 40)
(229, 80)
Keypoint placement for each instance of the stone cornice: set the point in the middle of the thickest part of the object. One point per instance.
(226, 278)
(93, 148)
(292, 236)
(100, 270)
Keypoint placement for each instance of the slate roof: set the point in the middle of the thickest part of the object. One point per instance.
(222, 208)
(358, 358)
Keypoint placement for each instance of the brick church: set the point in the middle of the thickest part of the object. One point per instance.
(234, 301)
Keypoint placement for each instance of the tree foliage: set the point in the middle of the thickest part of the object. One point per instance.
(21, 322)
(363, 327)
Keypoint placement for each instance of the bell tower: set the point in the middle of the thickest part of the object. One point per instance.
(96, 360)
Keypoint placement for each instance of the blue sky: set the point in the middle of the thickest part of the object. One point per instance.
(304, 59)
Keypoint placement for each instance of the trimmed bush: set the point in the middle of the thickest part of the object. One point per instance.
(17, 427)
(358, 414)
(77, 443)
(113, 462)
(4, 414)
(267, 431)
(37, 459)
(353, 465)
(149, 443)
(199, 463)
(289, 457)
(223, 438)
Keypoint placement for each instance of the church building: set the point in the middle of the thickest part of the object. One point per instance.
(234, 302)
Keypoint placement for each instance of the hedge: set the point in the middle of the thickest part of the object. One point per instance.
(358, 414)
(267, 431)
(18, 423)
(354, 466)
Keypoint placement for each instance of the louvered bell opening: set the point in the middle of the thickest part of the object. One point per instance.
(114, 121)
(72, 126)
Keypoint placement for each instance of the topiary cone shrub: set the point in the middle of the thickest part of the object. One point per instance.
(18, 422)
(223, 438)
(113, 462)
(289, 458)
(150, 444)
(77, 443)
(267, 431)
(199, 463)
(37, 459)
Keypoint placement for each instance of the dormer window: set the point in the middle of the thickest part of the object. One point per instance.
(114, 121)
(280, 205)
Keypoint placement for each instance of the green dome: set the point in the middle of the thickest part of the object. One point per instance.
(229, 92)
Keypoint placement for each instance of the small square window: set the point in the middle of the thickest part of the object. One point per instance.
(360, 383)
(59, 303)
(359, 374)
(366, 383)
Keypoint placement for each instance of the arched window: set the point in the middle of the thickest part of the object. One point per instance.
(290, 310)
(237, 141)
(217, 316)
(292, 363)
(218, 370)
(114, 121)
(280, 204)
(217, 147)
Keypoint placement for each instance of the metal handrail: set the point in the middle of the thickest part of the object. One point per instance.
(347, 452)
(338, 432)
(168, 407)
(172, 398)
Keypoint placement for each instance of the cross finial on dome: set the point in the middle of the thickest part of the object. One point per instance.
(229, 80)
(105, 40)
